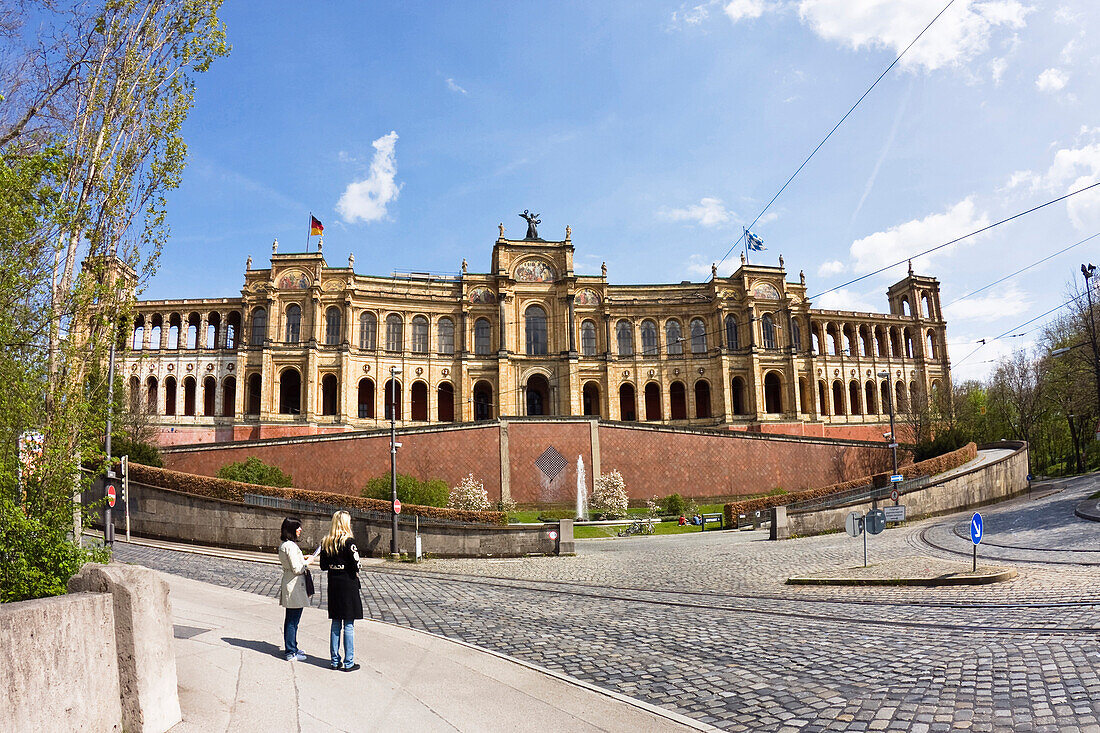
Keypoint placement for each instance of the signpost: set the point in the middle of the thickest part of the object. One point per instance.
(854, 525)
(396, 506)
(977, 530)
(894, 496)
(897, 478)
(875, 521)
(895, 513)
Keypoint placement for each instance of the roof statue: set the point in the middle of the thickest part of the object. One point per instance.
(603, 269)
(351, 261)
(501, 227)
(463, 265)
(532, 221)
(910, 268)
(802, 277)
(320, 243)
(780, 260)
(714, 270)
(742, 258)
(568, 232)
(248, 263)
(275, 247)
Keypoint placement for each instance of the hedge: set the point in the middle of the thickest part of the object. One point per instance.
(931, 466)
(234, 491)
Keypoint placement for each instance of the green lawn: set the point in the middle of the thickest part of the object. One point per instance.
(599, 531)
(532, 515)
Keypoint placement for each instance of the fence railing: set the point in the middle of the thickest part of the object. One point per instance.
(295, 505)
(858, 495)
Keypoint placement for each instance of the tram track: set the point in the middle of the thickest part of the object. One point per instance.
(923, 537)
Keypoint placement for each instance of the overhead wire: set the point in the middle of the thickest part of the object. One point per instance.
(834, 129)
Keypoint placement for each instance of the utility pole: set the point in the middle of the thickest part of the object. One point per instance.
(890, 402)
(108, 522)
(394, 371)
(1089, 271)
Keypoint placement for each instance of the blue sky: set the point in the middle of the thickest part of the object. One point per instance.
(656, 131)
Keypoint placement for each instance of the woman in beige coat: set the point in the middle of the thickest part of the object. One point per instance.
(292, 590)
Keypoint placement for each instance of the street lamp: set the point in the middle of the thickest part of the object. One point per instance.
(394, 371)
(1089, 271)
(890, 402)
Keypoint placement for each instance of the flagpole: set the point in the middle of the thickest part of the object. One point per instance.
(745, 239)
(309, 228)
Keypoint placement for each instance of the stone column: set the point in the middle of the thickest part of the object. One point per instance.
(572, 326)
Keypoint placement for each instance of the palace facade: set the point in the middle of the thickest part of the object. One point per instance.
(309, 348)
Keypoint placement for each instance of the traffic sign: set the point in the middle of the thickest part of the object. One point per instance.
(876, 521)
(895, 513)
(897, 477)
(976, 528)
(854, 524)
(553, 534)
(111, 494)
(894, 495)
(397, 506)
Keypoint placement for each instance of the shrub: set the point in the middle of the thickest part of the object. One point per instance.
(506, 506)
(37, 557)
(410, 490)
(470, 495)
(255, 471)
(609, 495)
(146, 454)
(675, 505)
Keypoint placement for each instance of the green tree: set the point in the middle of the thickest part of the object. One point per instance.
(410, 490)
(254, 471)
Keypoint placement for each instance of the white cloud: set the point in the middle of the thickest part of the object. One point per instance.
(454, 87)
(698, 265)
(883, 248)
(709, 212)
(741, 9)
(1007, 302)
(962, 33)
(1020, 178)
(844, 300)
(1074, 168)
(831, 267)
(1052, 80)
(692, 16)
(367, 200)
(1068, 51)
(998, 67)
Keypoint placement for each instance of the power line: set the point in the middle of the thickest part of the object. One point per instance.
(1009, 334)
(957, 239)
(838, 124)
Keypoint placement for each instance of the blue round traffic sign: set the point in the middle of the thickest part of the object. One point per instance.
(976, 528)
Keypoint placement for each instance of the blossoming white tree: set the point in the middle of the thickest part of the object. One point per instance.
(469, 495)
(609, 495)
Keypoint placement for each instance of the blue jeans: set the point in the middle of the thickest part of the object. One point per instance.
(348, 628)
(290, 630)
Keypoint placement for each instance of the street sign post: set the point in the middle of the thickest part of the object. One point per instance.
(854, 524)
(875, 521)
(897, 478)
(977, 531)
(895, 513)
(894, 496)
(396, 506)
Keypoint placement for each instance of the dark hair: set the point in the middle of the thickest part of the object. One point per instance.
(291, 525)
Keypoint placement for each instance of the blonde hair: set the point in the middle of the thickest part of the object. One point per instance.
(341, 530)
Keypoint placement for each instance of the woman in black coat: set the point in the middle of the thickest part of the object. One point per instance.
(340, 557)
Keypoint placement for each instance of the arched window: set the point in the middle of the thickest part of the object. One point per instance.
(483, 401)
(135, 395)
(702, 398)
(674, 340)
(737, 395)
(483, 336)
(229, 396)
(259, 328)
(330, 394)
(627, 406)
(445, 336)
(392, 399)
(796, 335)
(232, 328)
(420, 339)
(624, 338)
(174, 326)
(193, 331)
(773, 393)
(732, 341)
(333, 335)
(905, 310)
(884, 395)
(293, 323)
(395, 336)
(209, 396)
(290, 392)
(838, 398)
(590, 398)
(865, 346)
(213, 320)
(649, 338)
(169, 395)
(252, 406)
(189, 396)
(588, 338)
(151, 395)
(535, 321)
(901, 400)
(138, 341)
(908, 337)
(926, 305)
(652, 401)
(932, 345)
(156, 330)
(365, 402)
(418, 398)
(677, 401)
(855, 407)
(803, 395)
(698, 336)
(869, 398)
(445, 402)
(538, 395)
(822, 398)
(767, 326)
(368, 330)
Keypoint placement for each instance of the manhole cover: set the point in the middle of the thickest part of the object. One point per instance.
(551, 463)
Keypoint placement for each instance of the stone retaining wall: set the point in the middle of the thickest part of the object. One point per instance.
(984, 484)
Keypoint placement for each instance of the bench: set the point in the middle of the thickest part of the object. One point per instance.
(712, 518)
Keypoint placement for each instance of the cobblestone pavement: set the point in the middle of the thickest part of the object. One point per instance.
(703, 624)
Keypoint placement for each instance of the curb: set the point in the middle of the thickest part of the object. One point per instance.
(1002, 575)
(1088, 509)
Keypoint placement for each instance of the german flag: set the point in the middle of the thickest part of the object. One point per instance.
(315, 226)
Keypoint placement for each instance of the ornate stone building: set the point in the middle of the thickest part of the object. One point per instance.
(309, 348)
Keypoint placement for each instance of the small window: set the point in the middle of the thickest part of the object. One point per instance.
(588, 338)
(483, 337)
(395, 336)
(445, 336)
(368, 328)
(698, 336)
(420, 335)
(649, 338)
(333, 334)
(293, 323)
(674, 338)
(624, 337)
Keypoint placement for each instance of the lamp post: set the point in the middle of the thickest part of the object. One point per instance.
(394, 371)
(1089, 272)
(108, 521)
(890, 402)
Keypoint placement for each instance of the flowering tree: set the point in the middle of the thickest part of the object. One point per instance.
(469, 495)
(609, 495)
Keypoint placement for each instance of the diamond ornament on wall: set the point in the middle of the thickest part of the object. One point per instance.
(550, 463)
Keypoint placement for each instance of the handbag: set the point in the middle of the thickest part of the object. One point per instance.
(309, 582)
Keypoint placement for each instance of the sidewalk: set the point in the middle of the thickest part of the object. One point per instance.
(233, 677)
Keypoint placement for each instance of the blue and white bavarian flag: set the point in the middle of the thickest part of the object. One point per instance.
(753, 242)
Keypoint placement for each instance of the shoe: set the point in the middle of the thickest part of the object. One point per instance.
(335, 666)
(291, 657)
(299, 657)
(352, 668)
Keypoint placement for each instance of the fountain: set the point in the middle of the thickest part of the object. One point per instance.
(582, 492)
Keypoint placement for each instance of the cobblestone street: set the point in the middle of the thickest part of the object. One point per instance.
(703, 624)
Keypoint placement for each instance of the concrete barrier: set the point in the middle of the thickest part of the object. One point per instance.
(985, 484)
(60, 665)
(144, 640)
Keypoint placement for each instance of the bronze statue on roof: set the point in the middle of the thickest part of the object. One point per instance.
(532, 220)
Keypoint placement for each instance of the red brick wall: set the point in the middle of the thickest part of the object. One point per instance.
(527, 441)
(346, 465)
(662, 462)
